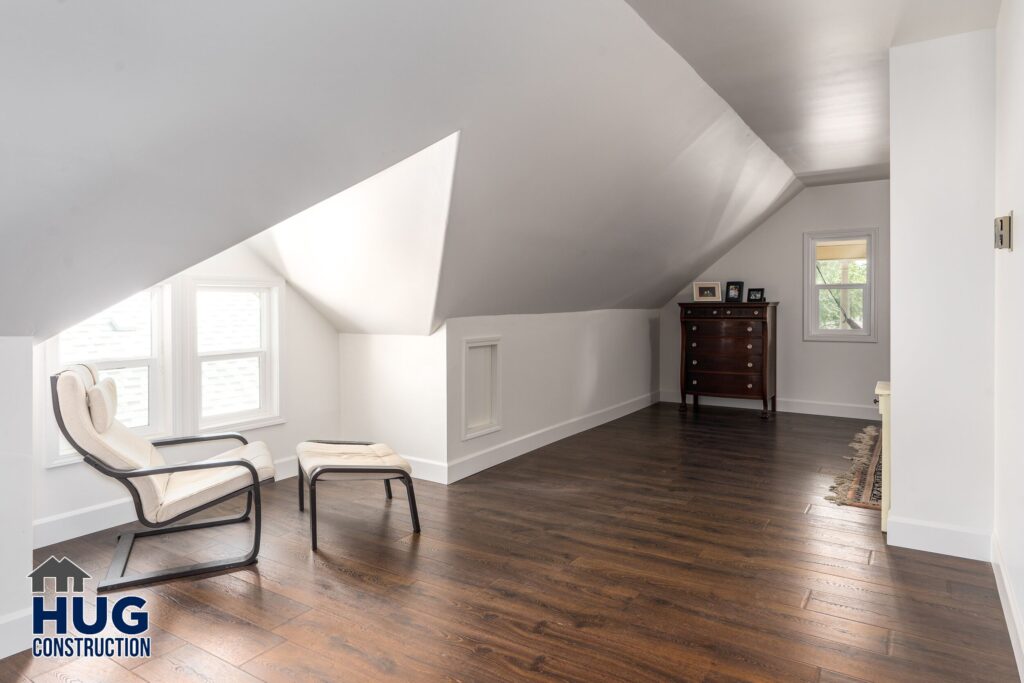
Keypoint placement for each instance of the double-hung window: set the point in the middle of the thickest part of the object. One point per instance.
(235, 367)
(187, 356)
(125, 342)
(839, 286)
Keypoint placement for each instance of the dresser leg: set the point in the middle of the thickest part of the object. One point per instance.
(682, 405)
(696, 402)
(764, 408)
(774, 406)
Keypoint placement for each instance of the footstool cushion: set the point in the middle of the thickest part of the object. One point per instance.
(313, 455)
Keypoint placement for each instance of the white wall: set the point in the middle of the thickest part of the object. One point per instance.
(393, 391)
(823, 378)
(560, 374)
(15, 496)
(1008, 532)
(942, 282)
(369, 258)
(72, 500)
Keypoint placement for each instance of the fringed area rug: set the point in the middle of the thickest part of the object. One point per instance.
(862, 485)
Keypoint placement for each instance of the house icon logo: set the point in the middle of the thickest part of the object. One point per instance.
(64, 573)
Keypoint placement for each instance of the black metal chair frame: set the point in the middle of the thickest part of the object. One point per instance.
(115, 578)
(329, 469)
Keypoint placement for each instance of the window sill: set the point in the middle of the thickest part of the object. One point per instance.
(64, 460)
(72, 457)
(871, 339)
(244, 425)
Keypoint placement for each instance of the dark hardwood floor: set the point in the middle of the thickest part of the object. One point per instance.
(656, 547)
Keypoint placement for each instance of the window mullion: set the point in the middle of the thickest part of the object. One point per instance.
(229, 355)
(858, 286)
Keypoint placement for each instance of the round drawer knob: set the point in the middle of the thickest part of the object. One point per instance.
(688, 311)
(750, 329)
(728, 312)
(750, 386)
(749, 365)
(749, 346)
(693, 362)
(694, 328)
(694, 344)
(694, 382)
(714, 312)
(757, 312)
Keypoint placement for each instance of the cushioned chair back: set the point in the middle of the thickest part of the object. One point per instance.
(87, 405)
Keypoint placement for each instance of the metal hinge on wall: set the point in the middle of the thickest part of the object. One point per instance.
(1004, 232)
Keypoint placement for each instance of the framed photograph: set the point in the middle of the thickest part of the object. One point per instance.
(734, 292)
(707, 291)
(755, 295)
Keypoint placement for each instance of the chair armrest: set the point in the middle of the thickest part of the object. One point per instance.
(186, 467)
(342, 443)
(179, 440)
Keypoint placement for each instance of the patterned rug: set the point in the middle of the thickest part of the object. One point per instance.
(862, 485)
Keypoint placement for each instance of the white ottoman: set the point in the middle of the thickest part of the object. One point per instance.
(351, 460)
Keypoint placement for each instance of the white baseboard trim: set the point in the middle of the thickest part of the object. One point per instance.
(495, 455)
(286, 468)
(429, 470)
(1008, 599)
(82, 521)
(947, 539)
(856, 411)
(787, 405)
(15, 631)
(89, 520)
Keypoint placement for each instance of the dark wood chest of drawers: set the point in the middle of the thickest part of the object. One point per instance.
(728, 350)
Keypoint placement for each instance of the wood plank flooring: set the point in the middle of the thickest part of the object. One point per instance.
(656, 547)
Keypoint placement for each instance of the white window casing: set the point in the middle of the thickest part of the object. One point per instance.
(814, 291)
(141, 366)
(234, 369)
(243, 355)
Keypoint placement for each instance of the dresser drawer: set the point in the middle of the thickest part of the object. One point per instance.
(737, 363)
(724, 328)
(723, 346)
(723, 383)
(702, 311)
(743, 312)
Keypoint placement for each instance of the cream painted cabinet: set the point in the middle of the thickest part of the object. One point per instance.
(884, 394)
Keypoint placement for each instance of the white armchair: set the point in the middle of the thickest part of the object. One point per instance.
(163, 494)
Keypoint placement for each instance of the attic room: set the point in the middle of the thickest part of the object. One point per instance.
(488, 341)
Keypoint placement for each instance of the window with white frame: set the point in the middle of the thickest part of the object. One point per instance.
(839, 286)
(222, 337)
(125, 342)
(235, 353)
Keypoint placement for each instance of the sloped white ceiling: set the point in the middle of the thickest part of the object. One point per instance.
(811, 77)
(595, 168)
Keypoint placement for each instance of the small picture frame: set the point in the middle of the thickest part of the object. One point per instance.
(707, 291)
(755, 295)
(734, 292)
